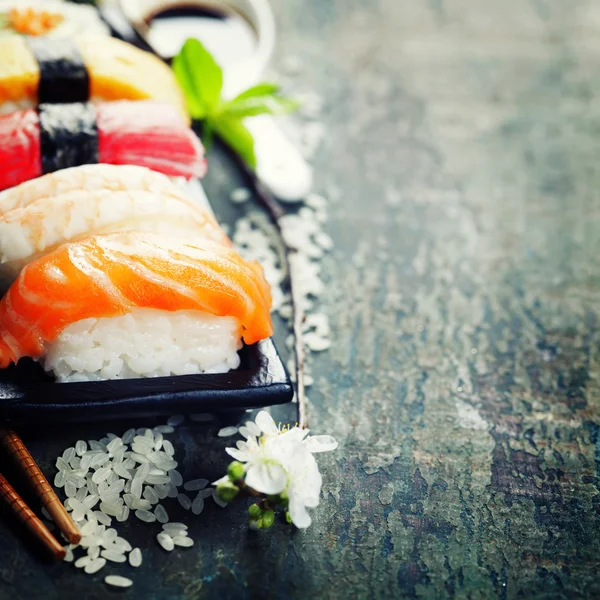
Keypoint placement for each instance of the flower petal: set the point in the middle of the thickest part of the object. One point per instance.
(320, 443)
(244, 432)
(238, 454)
(253, 428)
(299, 514)
(311, 501)
(266, 477)
(266, 424)
(295, 434)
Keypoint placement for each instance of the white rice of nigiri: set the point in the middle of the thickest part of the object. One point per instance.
(144, 343)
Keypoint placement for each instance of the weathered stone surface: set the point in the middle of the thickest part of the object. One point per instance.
(461, 165)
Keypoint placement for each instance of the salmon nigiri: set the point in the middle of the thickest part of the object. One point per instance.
(134, 304)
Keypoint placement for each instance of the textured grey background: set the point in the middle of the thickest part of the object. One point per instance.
(461, 163)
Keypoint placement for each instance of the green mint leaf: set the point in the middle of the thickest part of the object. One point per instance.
(200, 77)
(234, 133)
(259, 105)
(261, 89)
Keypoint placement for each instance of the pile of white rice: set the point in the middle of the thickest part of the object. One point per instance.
(107, 481)
(144, 343)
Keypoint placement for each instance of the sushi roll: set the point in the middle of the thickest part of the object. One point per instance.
(46, 69)
(39, 227)
(89, 178)
(34, 142)
(133, 304)
(48, 17)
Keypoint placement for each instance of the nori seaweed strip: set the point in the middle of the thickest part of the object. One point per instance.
(68, 136)
(63, 75)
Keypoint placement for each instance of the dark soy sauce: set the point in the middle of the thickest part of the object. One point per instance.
(226, 33)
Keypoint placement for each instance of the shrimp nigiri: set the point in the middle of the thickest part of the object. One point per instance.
(89, 178)
(41, 226)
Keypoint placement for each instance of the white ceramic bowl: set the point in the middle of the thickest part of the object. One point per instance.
(256, 12)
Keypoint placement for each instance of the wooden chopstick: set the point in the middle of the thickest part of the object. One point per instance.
(15, 447)
(28, 518)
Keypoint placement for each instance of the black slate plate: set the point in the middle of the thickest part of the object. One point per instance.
(27, 393)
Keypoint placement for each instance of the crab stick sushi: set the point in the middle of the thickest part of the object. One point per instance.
(47, 69)
(41, 226)
(34, 142)
(134, 304)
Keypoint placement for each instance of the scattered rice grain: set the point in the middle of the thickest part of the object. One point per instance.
(185, 501)
(91, 500)
(161, 514)
(150, 495)
(156, 479)
(135, 557)
(227, 431)
(145, 515)
(60, 479)
(198, 504)
(68, 455)
(165, 540)
(175, 525)
(164, 429)
(113, 556)
(183, 541)
(128, 436)
(124, 514)
(83, 562)
(118, 581)
(102, 517)
(95, 566)
(70, 489)
(175, 420)
(175, 477)
(123, 544)
(167, 446)
(136, 487)
(62, 464)
(240, 195)
(195, 484)
(161, 491)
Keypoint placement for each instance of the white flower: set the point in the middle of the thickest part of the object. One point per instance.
(281, 460)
